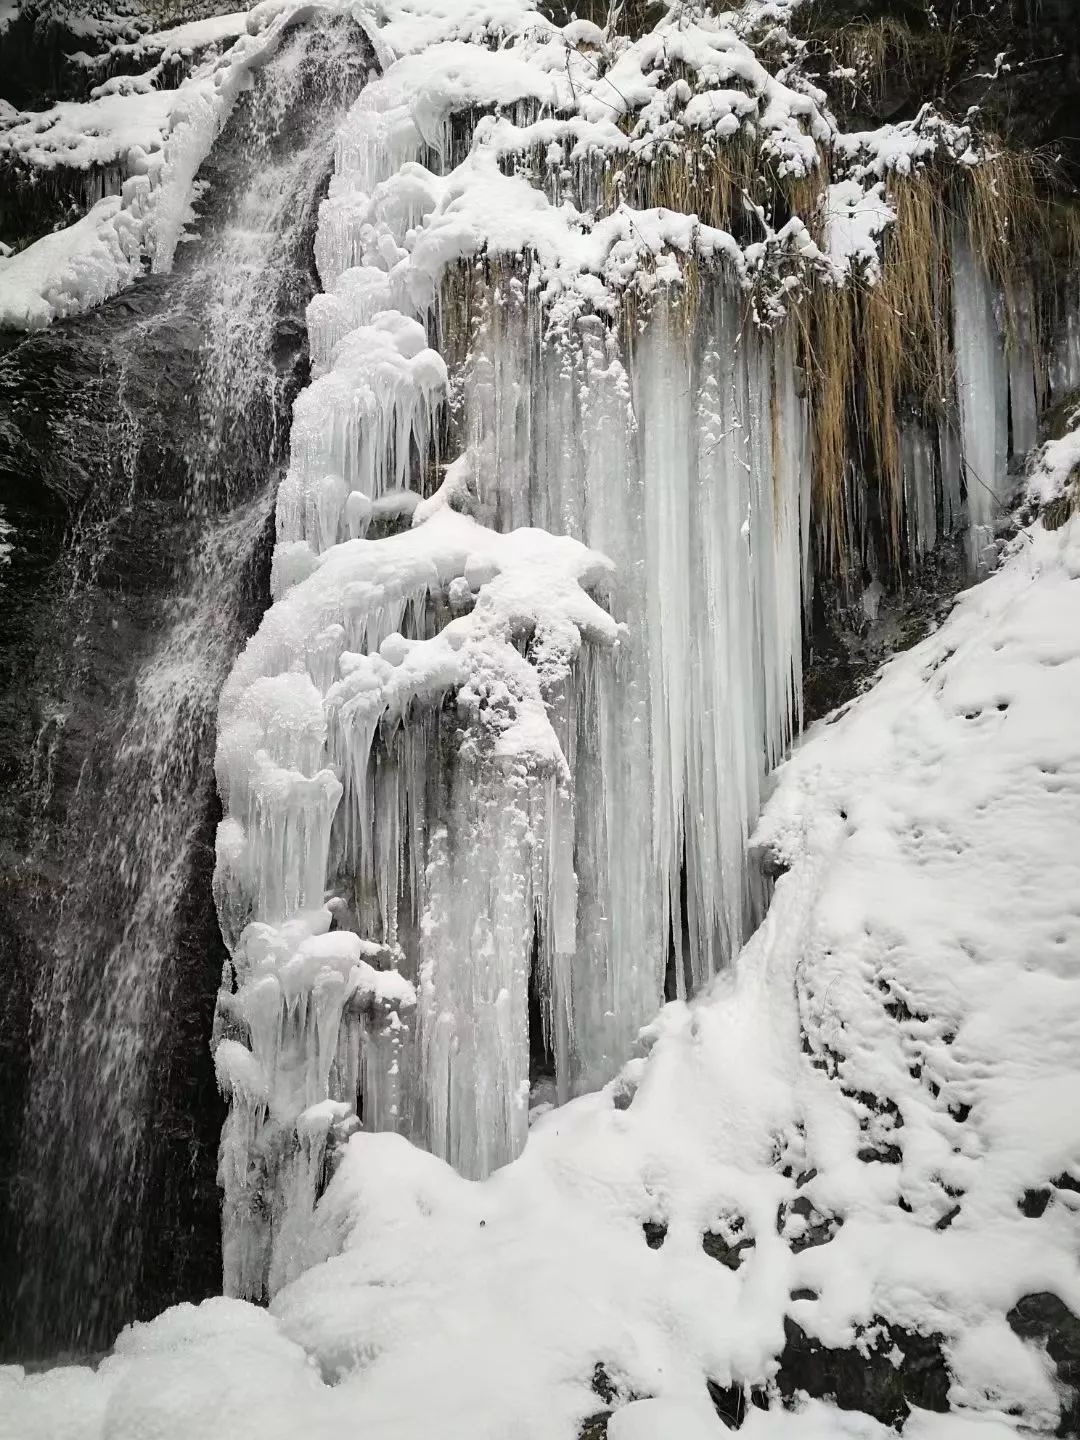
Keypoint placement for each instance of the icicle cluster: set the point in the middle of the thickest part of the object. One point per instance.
(508, 732)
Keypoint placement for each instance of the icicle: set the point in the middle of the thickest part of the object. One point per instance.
(1023, 404)
(982, 392)
(476, 946)
(920, 489)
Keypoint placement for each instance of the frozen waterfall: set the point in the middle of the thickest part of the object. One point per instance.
(544, 550)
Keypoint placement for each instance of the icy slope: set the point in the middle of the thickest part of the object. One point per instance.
(890, 1072)
(899, 1045)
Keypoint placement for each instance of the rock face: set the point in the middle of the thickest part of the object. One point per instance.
(140, 449)
(884, 1375)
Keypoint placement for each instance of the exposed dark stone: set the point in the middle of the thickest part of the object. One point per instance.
(804, 1294)
(885, 1154)
(655, 1233)
(869, 1382)
(1046, 1320)
(729, 1254)
(959, 1112)
(1034, 1203)
(1065, 1181)
(732, 1402)
(844, 649)
(819, 1229)
(945, 53)
(602, 1384)
(947, 1219)
(595, 1427)
(899, 1010)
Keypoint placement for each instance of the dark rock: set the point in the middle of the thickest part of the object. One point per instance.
(870, 1382)
(819, 1229)
(602, 1384)
(947, 1219)
(718, 1248)
(1034, 1203)
(732, 1402)
(595, 1427)
(885, 1154)
(804, 1294)
(655, 1233)
(1065, 1181)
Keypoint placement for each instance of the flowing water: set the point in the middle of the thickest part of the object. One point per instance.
(163, 577)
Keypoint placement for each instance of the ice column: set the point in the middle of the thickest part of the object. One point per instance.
(982, 386)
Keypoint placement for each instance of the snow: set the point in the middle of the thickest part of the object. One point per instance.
(71, 269)
(535, 651)
(80, 134)
(950, 900)
(906, 897)
(159, 140)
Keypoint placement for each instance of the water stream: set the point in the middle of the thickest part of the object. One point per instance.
(162, 577)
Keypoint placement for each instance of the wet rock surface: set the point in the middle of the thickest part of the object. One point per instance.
(140, 450)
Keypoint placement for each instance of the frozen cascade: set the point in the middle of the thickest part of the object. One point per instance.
(684, 460)
(434, 740)
(466, 856)
(136, 828)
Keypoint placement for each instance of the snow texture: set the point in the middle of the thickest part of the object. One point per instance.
(506, 696)
(903, 1026)
(156, 140)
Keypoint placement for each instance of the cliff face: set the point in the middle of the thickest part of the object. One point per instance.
(139, 451)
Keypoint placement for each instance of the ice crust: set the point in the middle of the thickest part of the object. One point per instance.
(148, 144)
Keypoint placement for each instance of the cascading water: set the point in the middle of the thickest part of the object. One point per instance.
(163, 576)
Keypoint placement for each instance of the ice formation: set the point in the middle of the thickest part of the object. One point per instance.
(418, 737)
(143, 147)
(543, 551)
